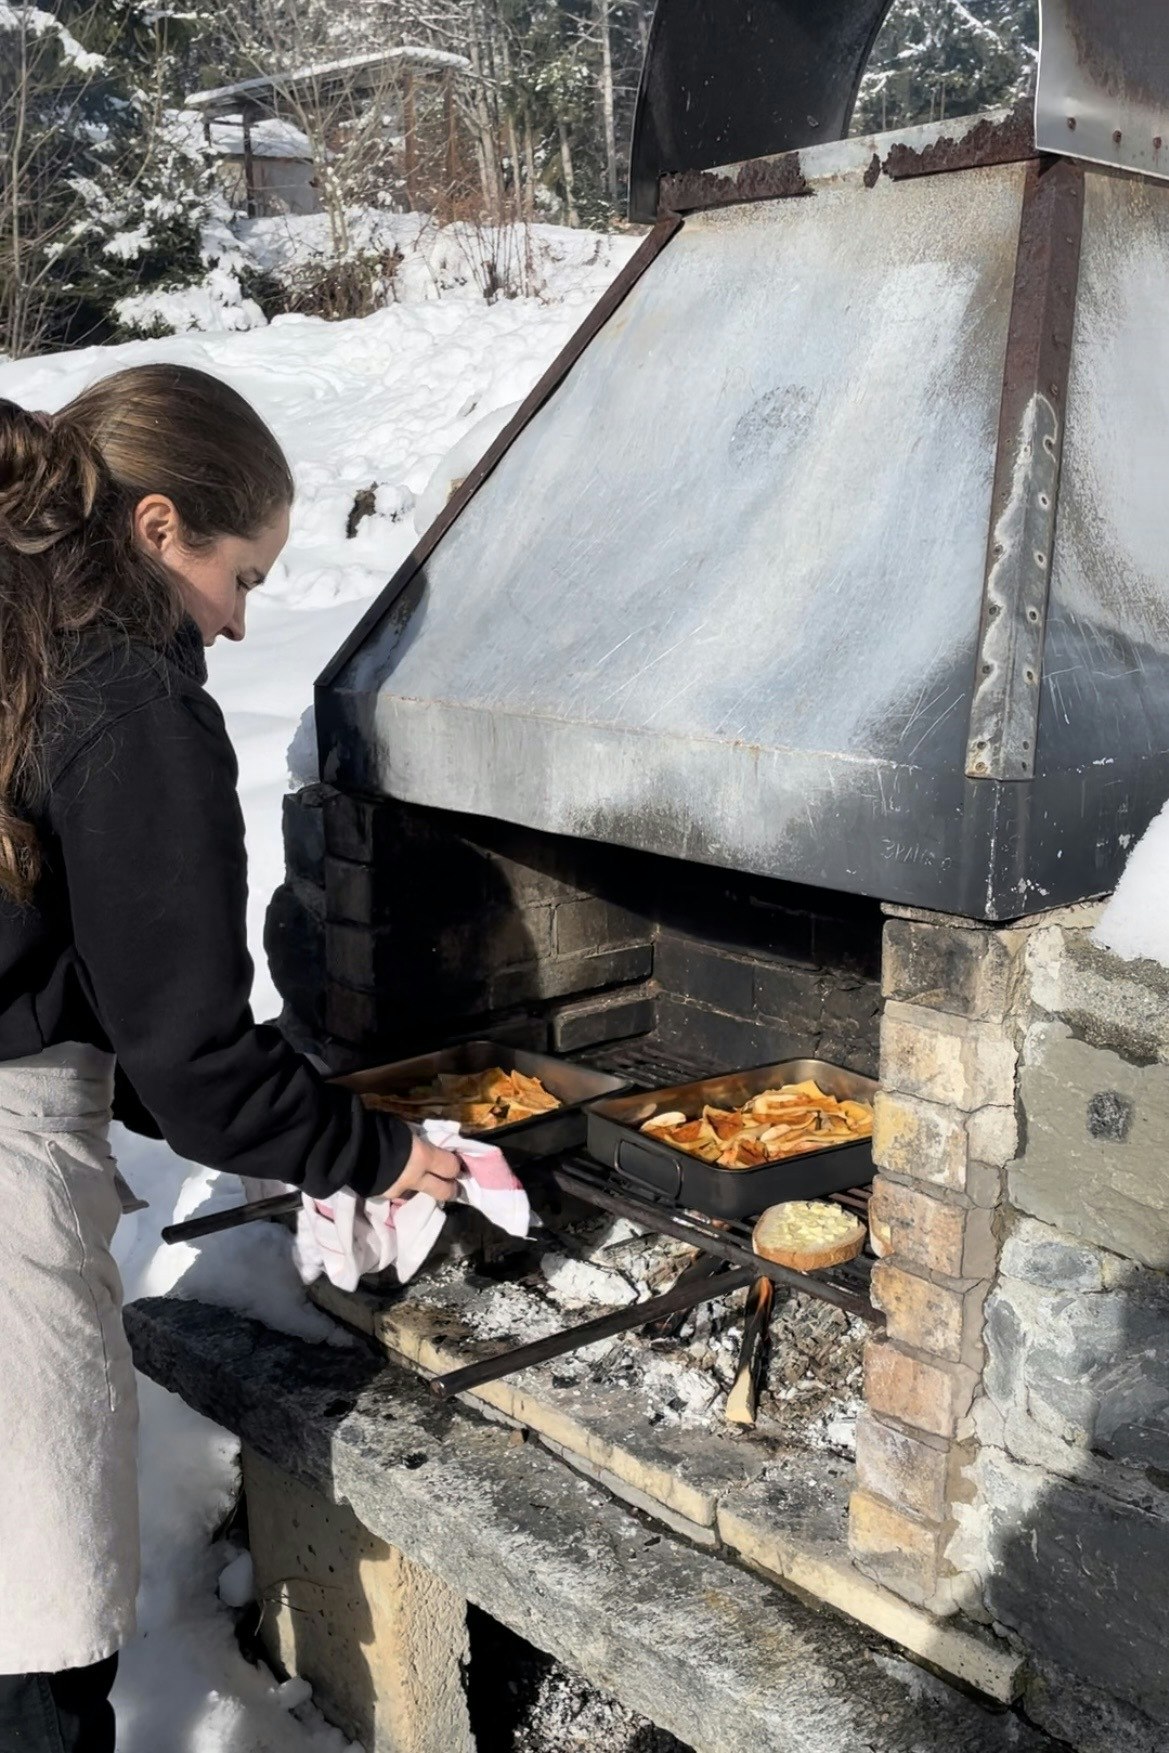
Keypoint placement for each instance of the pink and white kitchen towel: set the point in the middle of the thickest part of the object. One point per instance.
(346, 1237)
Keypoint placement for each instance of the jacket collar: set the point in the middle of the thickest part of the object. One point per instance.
(186, 652)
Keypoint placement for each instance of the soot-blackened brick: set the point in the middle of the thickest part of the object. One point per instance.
(590, 925)
(304, 834)
(704, 974)
(723, 1043)
(591, 1022)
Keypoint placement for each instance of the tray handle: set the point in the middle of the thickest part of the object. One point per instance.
(649, 1168)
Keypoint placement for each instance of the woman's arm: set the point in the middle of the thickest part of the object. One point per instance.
(151, 836)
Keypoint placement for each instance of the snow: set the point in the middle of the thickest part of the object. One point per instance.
(1135, 923)
(381, 401)
(406, 54)
(217, 305)
(275, 137)
(33, 19)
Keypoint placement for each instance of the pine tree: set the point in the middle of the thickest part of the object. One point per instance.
(149, 191)
(104, 194)
(50, 107)
(939, 58)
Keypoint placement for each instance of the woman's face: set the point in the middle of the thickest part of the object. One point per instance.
(214, 581)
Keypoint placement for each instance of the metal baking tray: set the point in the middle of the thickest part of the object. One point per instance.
(614, 1138)
(543, 1135)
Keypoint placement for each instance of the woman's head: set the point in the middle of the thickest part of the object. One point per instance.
(156, 494)
(206, 485)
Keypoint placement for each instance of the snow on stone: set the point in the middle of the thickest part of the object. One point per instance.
(457, 464)
(1135, 923)
(378, 402)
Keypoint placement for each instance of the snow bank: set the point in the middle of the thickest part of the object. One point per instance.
(440, 261)
(1135, 922)
(381, 402)
(216, 306)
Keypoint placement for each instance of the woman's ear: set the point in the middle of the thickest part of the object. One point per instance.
(156, 526)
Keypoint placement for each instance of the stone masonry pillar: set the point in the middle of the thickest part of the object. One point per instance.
(945, 1129)
(382, 1640)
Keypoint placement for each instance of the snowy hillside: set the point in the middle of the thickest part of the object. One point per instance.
(378, 402)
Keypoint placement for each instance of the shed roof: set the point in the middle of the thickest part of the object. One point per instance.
(261, 95)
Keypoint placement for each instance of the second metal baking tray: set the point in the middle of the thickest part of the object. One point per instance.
(615, 1139)
(562, 1128)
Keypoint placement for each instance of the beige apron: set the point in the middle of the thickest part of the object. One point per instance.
(68, 1412)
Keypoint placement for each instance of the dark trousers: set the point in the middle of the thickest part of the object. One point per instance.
(69, 1712)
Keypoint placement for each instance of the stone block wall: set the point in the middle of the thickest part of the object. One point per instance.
(945, 1128)
(1068, 1532)
(1013, 1459)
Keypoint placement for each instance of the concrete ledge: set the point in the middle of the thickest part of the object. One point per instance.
(721, 1658)
(684, 1471)
(707, 1489)
(788, 1536)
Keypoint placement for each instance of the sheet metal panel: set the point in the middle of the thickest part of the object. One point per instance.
(1103, 90)
(742, 78)
(1104, 719)
(721, 596)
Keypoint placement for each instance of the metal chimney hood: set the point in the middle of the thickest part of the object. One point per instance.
(834, 548)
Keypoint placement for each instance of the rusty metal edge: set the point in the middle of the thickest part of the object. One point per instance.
(781, 176)
(1007, 142)
(1004, 709)
(649, 249)
(756, 179)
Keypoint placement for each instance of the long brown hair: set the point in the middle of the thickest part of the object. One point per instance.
(68, 561)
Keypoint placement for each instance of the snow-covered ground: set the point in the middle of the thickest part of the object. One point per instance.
(384, 401)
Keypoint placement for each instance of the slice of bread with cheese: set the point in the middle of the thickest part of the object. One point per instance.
(808, 1234)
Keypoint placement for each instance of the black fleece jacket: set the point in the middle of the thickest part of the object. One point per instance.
(135, 941)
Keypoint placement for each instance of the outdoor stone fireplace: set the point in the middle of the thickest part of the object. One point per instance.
(808, 736)
(1011, 1481)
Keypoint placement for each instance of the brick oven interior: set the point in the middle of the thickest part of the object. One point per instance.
(423, 926)
(417, 927)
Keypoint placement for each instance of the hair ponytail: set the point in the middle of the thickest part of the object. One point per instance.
(51, 484)
(68, 563)
(50, 478)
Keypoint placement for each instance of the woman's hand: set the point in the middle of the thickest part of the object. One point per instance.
(428, 1170)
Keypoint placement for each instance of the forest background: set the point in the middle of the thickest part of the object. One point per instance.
(495, 116)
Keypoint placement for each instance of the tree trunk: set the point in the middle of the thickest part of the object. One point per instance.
(410, 141)
(482, 124)
(566, 172)
(513, 152)
(607, 101)
(529, 170)
(249, 165)
(451, 131)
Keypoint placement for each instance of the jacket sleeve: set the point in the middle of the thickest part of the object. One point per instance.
(151, 836)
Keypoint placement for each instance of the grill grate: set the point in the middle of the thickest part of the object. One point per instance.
(643, 1064)
(845, 1286)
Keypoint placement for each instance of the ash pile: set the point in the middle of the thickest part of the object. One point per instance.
(509, 1295)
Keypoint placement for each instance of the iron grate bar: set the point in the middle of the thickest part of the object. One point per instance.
(847, 1287)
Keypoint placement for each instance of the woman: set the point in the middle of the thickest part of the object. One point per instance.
(133, 526)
